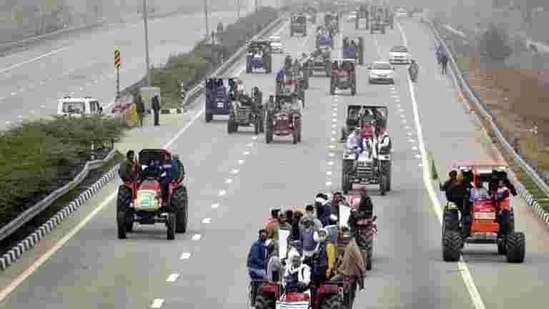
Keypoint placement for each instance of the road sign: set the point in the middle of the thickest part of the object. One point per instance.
(117, 58)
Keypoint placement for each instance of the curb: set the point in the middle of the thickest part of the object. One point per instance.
(530, 200)
(30, 241)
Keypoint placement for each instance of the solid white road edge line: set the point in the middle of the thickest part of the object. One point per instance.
(437, 207)
(42, 259)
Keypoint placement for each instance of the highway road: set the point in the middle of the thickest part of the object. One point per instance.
(234, 180)
(31, 81)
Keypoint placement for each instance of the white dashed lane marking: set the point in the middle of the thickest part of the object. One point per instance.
(157, 303)
(196, 237)
(206, 220)
(172, 278)
(228, 181)
(221, 193)
(234, 171)
(215, 205)
(240, 162)
(185, 256)
(329, 173)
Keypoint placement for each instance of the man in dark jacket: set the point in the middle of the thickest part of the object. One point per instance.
(257, 257)
(444, 63)
(155, 105)
(140, 109)
(323, 208)
(257, 262)
(129, 169)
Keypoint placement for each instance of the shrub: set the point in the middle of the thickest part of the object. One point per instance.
(494, 44)
(192, 67)
(39, 157)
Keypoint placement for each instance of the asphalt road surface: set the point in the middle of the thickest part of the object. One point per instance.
(31, 81)
(234, 180)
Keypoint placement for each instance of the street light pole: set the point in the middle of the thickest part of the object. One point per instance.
(147, 60)
(206, 18)
(238, 9)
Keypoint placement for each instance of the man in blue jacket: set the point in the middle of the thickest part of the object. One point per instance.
(257, 263)
(257, 257)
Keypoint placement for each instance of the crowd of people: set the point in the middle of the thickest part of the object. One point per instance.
(319, 247)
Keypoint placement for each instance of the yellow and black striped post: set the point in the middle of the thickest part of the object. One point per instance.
(117, 67)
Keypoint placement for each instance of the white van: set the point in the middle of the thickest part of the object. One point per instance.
(69, 106)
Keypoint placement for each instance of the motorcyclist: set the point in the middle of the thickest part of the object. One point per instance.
(413, 70)
(129, 169)
(297, 275)
(362, 224)
(257, 257)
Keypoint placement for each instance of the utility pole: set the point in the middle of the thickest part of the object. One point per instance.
(147, 60)
(238, 9)
(206, 18)
(255, 5)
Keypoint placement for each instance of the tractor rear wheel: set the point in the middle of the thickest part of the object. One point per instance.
(451, 245)
(180, 202)
(262, 302)
(170, 233)
(331, 302)
(516, 247)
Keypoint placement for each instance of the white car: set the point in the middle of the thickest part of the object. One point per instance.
(276, 44)
(381, 72)
(401, 12)
(351, 17)
(399, 55)
(68, 106)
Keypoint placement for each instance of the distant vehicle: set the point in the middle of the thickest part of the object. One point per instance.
(69, 106)
(381, 72)
(399, 55)
(401, 12)
(276, 44)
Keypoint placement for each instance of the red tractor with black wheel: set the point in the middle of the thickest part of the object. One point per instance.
(141, 201)
(271, 295)
(489, 219)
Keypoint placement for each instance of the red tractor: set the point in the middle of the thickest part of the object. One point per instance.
(284, 118)
(271, 295)
(141, 201)
(343, 76)
(490, 219)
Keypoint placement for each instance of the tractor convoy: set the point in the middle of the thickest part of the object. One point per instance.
(366, 159)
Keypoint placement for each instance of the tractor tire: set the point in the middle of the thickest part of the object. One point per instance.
(180, 203)
(170, 233)
(208, 117)
(262, 302)
(449, 220)
(382, 184)
(451, 245)
(370, 253)
(257, 125)
(345, 182)
(331, 302)
(502, 247)
(269, 134)
(516, 247)
(387, 170)
(230, 126)
(123, 202)
(121, 224)
(299, 130)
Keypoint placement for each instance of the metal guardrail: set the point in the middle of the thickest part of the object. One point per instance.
(487, 116)
(33, 211)
(6, 47)
(198, 89)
